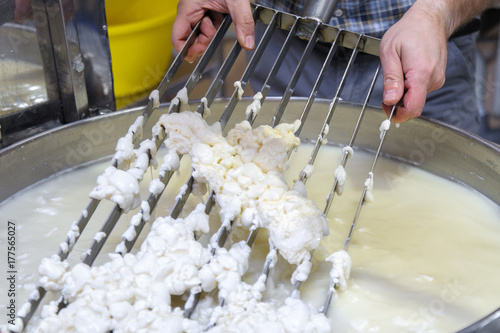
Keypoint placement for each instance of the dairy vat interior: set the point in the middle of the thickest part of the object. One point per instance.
(438, 149)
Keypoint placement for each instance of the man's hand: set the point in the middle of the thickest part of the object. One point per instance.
(413, 52)
(189, 12)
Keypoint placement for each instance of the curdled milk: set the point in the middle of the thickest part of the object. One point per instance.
(424, 255)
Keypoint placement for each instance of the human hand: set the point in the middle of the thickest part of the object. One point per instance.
(413, 54)
(189, 12)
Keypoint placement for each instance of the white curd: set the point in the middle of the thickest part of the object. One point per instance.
(409, 272)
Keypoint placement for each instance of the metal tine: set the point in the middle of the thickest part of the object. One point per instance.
(217, 83)
(333, 106)
(210, 95)
(223, 232)
(345, 155)
(296, 75)
(228, 111)
(268, 264)
(91, 254)
(277, 117)
(286, 97)
(319, 80)
(332, 284)
(279, 112)
(277, 64)
(254, 232)
(192, 81)
(267, 84)
(365, 189)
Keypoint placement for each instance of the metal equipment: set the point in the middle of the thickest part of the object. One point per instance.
(310, 29)
(313, 31)
(55, 66)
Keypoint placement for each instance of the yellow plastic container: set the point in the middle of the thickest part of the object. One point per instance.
(139, 38)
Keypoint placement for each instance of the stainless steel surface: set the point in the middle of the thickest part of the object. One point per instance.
(326, 33)
(56, 56)
(90, 18)
(331, 119)
(57, 34)
(427, 144)
(322, 9)
(21, 66)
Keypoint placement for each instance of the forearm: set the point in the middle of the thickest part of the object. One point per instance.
(449, 15)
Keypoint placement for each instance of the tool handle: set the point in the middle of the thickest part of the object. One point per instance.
(319, 9)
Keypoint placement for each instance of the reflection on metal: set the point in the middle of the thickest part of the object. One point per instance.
(55, 56)
(94, 45)
(59, 30)
(21, 67)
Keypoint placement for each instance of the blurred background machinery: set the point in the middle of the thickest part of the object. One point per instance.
(64, 60)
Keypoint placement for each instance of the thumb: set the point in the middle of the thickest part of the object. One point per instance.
(241, 13)
(393, 78)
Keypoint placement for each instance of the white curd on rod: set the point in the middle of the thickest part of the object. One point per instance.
(414, 256)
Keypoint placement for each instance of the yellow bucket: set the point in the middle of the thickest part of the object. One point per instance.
(139, 39)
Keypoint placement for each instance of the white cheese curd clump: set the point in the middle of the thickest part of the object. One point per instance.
(341, 176)
(124, 151)
(254, 108)
(239, 89)
(155, 97)
(180, 100)
(341, 268)
(246, 312)
(369, 188)
(132, 293)
(384, 127)
(121, 187)
(246, 172)
(51, 272)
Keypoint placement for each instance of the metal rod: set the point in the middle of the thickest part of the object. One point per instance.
(296, 75)
(228, 111)
(365, 189)
(332, 285)
(279, 60)
(319, 80)
(345, 155)
(319, 9)
(332, 108)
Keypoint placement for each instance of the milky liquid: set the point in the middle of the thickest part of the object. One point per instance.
(425, 253)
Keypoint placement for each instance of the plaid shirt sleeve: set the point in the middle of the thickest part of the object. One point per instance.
(369, 17)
